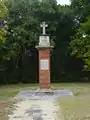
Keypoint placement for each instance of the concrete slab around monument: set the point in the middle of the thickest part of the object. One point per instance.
(38, 104)
(43, 94)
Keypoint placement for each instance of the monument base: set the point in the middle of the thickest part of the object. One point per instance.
(46, 91)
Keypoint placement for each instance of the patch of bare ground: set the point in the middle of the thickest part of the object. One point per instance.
(3, 112)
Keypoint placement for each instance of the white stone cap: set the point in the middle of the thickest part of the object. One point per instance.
(44, 41)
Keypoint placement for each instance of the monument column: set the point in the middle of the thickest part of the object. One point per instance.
(44, 59)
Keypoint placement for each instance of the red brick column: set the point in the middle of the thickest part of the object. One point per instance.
(44, 75)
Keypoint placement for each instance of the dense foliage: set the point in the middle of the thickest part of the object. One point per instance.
(69, 29)
(81, 44)
(3, 26)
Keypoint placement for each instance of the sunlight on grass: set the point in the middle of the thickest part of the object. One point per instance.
(74, 108)
(76, 88)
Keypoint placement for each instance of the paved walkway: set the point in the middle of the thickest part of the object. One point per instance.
(35, 110)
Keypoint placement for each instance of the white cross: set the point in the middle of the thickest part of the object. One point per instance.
(44, 25)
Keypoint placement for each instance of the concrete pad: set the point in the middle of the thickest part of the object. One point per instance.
(35, 110)
(43, 94)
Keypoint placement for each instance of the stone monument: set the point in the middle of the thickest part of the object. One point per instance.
(44, 59)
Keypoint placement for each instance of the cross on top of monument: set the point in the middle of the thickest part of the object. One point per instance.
(44, 25)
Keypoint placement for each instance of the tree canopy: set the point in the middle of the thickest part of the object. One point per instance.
(81, 44)
(3, 26)
(69, 30)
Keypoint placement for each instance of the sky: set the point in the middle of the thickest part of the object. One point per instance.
(63, 2)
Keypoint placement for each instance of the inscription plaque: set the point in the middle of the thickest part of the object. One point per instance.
(44, 64)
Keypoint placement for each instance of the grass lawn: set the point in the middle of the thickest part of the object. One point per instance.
(8, 91)
(76, 108)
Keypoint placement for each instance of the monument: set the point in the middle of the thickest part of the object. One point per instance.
(44, 59)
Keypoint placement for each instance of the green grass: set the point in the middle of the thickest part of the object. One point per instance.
(77, 88)
(8, 91)
(18, 86)
(71, 108)
(75, 108)
(6, 95)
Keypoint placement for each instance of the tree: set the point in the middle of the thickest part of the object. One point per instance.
(3, 15)
(24, 29)
(80, 46)
(24, 21)
(3, 29)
